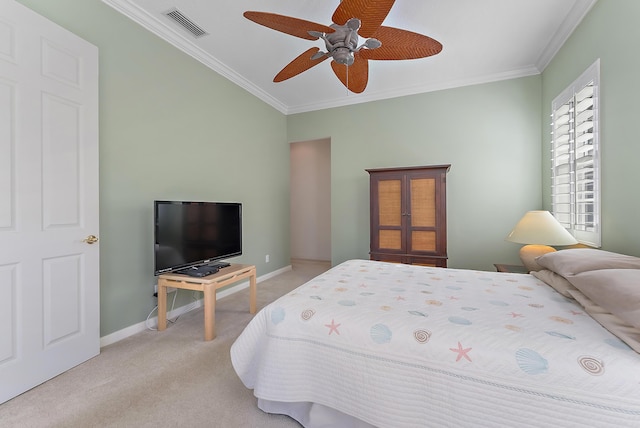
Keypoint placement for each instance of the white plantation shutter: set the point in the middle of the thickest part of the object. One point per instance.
(575, 175)
(562, 174)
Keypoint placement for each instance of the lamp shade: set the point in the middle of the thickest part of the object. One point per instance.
(540, 228)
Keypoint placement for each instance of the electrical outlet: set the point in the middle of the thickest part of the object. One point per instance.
(155, 289)
(266, 258)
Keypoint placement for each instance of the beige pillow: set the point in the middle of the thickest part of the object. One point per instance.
(623, 331)
(574, 261)
(616, 290)
(555, 281)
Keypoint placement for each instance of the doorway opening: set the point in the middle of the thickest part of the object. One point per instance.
(310, 190)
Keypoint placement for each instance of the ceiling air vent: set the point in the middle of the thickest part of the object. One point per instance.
(186, 23)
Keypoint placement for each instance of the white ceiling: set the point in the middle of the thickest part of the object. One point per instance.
(484, 41)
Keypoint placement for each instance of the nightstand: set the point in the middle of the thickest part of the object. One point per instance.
(510, 268)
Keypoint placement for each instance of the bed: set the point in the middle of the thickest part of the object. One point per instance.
(388, 345)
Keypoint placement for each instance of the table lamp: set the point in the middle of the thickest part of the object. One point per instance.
(538, 230)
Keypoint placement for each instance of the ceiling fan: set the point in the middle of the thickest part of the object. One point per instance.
(352, 19)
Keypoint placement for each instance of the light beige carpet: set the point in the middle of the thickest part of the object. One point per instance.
(161, 379)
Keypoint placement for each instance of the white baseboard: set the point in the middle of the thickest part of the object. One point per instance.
(153, 322)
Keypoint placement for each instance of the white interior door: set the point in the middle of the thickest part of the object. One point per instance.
(49, 276)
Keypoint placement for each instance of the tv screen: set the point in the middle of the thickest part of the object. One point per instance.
(195, 233)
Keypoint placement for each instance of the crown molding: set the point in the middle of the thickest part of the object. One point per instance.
(415, 90)
(571, 22)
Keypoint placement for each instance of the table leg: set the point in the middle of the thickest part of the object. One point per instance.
(162, 306)
(209, 311)
(252, 292)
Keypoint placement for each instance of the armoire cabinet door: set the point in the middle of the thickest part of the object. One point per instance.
(422, 223)
(390, 233)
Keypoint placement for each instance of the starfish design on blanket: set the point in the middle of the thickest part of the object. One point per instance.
(333, 327)
(462, 352)
(515, 315)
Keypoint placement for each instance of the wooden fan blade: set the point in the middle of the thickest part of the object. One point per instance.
(303, 62)
(371, 13)
(286, 24)
(401, 44)
(355, 76)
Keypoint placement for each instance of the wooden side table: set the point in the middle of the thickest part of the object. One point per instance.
(500, 267)
(208, 285)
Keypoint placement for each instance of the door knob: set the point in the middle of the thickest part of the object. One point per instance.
(91, 239)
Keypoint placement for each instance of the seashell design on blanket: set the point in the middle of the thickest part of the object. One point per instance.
(616, 343)
(591, 365)
(422, 336)
(418, 313)
(561, 320)
(380, 334)
(459, 320)
(277, 315)
(531, 362)
(558, 334)
(307, 314)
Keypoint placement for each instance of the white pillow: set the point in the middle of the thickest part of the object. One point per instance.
(616, 290)
(555, 281)
(577, 260)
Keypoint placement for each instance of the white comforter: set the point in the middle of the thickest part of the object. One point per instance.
(410, 346)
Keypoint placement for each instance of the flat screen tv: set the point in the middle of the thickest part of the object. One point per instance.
(191, 234)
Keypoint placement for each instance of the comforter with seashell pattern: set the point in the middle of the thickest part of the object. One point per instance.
(410, 346)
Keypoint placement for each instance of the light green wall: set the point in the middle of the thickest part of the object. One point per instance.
(609, 32)
(170, 128)
(490, 134)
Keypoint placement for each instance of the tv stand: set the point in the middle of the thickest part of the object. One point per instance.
(208, 285)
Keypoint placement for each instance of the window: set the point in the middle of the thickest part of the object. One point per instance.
(575, 159)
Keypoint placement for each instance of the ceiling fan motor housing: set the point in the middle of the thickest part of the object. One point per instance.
(343, 56)
(342, 43)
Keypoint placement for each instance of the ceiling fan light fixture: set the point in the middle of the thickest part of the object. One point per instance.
(370, 44)
(353, 24)
(343, 56)
(341, 41)
(318, 55)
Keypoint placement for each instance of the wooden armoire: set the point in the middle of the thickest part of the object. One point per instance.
(409, 215)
